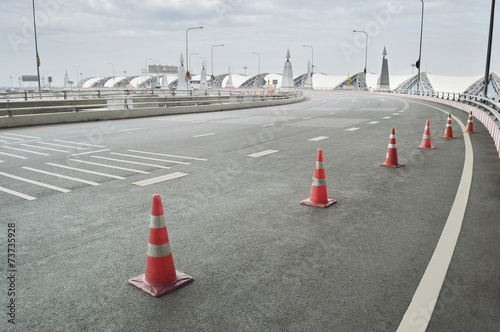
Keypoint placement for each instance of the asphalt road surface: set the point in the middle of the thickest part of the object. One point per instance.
(78, 199)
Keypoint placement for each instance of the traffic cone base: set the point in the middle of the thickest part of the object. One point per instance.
(391, 165)
(158, 290)
(425, 147)
(326, 204)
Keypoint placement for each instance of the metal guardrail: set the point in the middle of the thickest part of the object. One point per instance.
(114, 101)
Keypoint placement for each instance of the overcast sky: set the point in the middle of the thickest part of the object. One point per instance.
(89, 35)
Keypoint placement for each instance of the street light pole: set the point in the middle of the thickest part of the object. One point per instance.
(187, 54)
(36, 50)
(255, 83)
(312, 61)
(212, 78)
(366, 47)
(419, 61)
(488, 56)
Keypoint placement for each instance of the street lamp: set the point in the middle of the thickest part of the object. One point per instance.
(488, 56)
(36, 50)
(312, 61)
(212, 78)
(187, 54)
(255, 82)
(419, 64)
(366, 47)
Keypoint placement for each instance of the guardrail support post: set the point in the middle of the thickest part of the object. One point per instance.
(9, 112)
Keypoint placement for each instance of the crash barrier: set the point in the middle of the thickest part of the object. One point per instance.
(122, 105)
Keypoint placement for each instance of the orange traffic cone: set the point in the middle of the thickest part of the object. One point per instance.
(426, 139)
(391, 158)
(470, 125)
(318, 196)
(448, 133)
(160, 277)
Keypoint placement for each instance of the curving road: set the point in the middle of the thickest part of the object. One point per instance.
(79, 197)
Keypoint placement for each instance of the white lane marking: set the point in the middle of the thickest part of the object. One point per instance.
(352, 129)
(131, 162)
(130, 129)
(396, 114)
(18, 194)
(202, 135)
(13, 155)
(309, 117)
(262, 153)
(419, 312)
(3, 142)
(78, 143)
(386, 117)
(160, 179)
(87, 171)
(319, 138)
(43, 148)
(21, 135)
(109, 166)
(332, 113)
(149, 158)
(35, 182)
(62, 176)
(12, 138)
(201, 121)
(64, 146)
(401, 111)
(268, 125)
(89, 152)
(167, 155)
(28, 151)
(373, 122)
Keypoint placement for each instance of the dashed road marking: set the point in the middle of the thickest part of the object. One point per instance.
(307, 118)
(319, 138)
(12, 138)
(395, 114)
(160, 179)
(35, 182)
(271, 124)
(386, 117)
(87, 171)
(131, 162)
(89, 152)
(78, 143)
(149, 158)
(44, 148)
(13, 155)
(17, 193)
(203, 135)
(167, 155)
(19, 135)
(63, 146)
(262, 153)
(373, 122)
(109, 166)
(352, 129)
(62, 176)
(27, 151)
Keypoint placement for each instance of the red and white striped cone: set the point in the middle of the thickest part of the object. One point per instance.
(448, 133)
(391, 158)
(426, 139)
(160, 277)
(318, 196)
(470, 125)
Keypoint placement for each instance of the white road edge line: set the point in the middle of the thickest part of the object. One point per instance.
(18, 194)
(419, 312)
